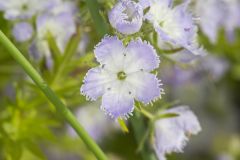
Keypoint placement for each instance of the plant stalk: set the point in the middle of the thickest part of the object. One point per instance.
(52, 97)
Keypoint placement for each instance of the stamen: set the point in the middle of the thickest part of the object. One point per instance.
(121, 75)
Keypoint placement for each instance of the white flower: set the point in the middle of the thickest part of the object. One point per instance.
(123, 76)
(172, 134)
(174, 25)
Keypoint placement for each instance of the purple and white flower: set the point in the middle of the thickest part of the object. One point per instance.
(174, 25)
(123, 76)
(215, 14)
(57, 18)
(126, 16)
(61, 27)
(22, 31)
(172, 134)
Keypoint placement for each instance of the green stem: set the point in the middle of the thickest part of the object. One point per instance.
(54, 47)
(139, 128)
(61, 108)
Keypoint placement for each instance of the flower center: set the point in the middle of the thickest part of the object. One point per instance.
(161, 23)
(24, 7)
(121, 75)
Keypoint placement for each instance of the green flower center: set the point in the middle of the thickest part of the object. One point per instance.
(161, 23)
(121, 75)
(24, 7)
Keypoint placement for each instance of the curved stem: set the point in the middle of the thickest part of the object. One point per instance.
(60, 107)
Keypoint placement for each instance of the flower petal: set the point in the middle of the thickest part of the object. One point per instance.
(95, 83)
(171, 133)
(169, 137)
(140, 56)
(146, 86)
(110, 51)
(118, 101)
(187, 120)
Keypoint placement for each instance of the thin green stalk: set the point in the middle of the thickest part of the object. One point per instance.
(61, 108)
(54, 47)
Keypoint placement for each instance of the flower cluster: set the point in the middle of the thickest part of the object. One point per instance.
(34, 20)
(125, 75)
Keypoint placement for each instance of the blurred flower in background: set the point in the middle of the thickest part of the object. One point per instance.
(97, 124)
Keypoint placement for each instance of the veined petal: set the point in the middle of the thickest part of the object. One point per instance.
(145, 85)
(95, 83)
(140, 55)
(110, 52)
(117, 102)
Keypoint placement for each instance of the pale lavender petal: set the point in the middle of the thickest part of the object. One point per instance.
(140, 56)
(117, 104)
(146, 86)
(187, 25)
(126, 17)
(169, 137)
(171, 134)
(110, 51)
(187, 120)
(22, 31)
(94, 83)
